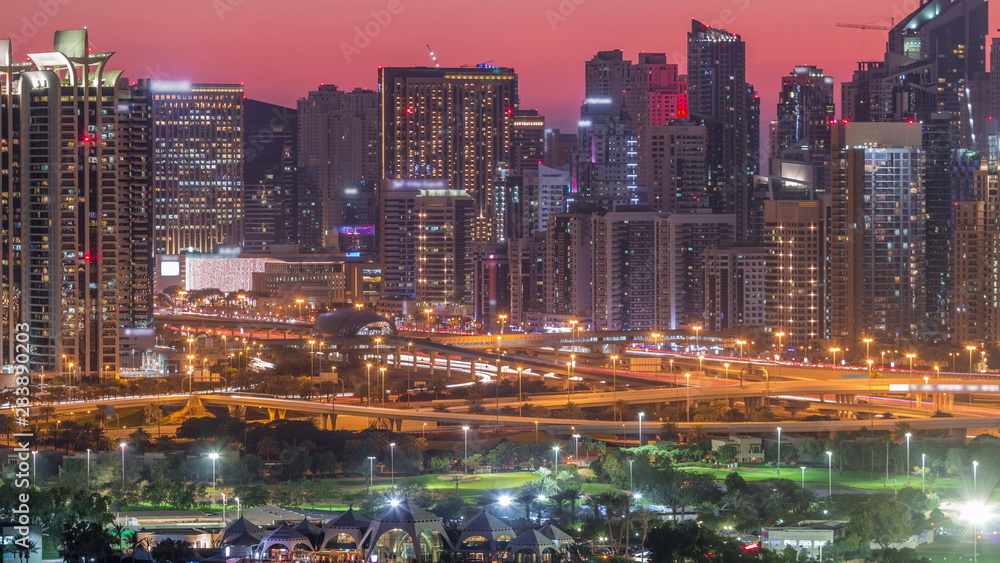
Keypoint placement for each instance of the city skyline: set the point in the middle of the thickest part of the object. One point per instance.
(350, 42)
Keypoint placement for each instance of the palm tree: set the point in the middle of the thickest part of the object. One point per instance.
(506, 453)
(7, 425)
(268, 447)
(141, 438)
(151, 413)
(25, 549)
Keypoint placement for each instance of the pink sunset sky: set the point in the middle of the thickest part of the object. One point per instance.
(282, 49)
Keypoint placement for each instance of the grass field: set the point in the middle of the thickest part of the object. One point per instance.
(817, 478)
(949, 548)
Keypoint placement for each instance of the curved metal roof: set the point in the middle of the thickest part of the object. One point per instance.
(349, 323)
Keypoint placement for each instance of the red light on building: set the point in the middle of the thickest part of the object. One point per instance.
(409, 110)
(682, 111)
(510, 111)
(752, 546)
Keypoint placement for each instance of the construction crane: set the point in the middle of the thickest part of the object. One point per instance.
(871, 25)
(433, 56)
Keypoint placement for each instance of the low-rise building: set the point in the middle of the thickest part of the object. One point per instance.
(747, 449)
(809, 536)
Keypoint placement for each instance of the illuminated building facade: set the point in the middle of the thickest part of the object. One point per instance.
(198, 166)
(75, 220)
(338, 164)
(877, 260)
(426, 245)
(795, 242)
(629, 253)
(528, 142)
(977, 257)
(453, 124)
(805, 112)
(721, 99)
(270, 132)
(734, 287)
(675, 167)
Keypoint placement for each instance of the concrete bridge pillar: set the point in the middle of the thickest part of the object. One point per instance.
(276, 414)
(328, 421)
(397, 425)
(398, 361)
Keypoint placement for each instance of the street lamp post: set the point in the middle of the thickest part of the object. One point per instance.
(868, 346)
(834, 352)
(803, 468)
(908, 435)
(555, 450)
(741, 344)
(413, 364)
(697, 334)
(780, 354)
(975, 496)
(214, 456)
(923, 470)
(123, 445)
(576, 451)
(641, 443)
(520, 391)
(88, 468)
(971, 349)
(687, 377)
(392, 465)
(465, 463)
(368, 369)
(371, 474)
(778, 463)
(829, 459)
(614, 386)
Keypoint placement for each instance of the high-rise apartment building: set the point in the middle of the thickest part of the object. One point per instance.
(734, 287)
(338, 147)
(977, 257)
(629, 250)
(877, 278)
(426, 245)
(995, 78)
(689, 236)
(805, 113)
(198, 166)
(454, 124)
(528, 140)
(269, 130)
(76, 223)
(656, 93)
(675, 170)
(794, 283)
(720, 98)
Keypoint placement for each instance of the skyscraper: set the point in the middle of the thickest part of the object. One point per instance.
(720, 98)
(427, 245)
(977, 257)
(629, 251)
(877, 279)
(528, 140)
(454, 124)
(338, 146)
(269, 130)
(675, 170)
(795, 280)
(805, 113)
(198, 166)
(76, 237)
